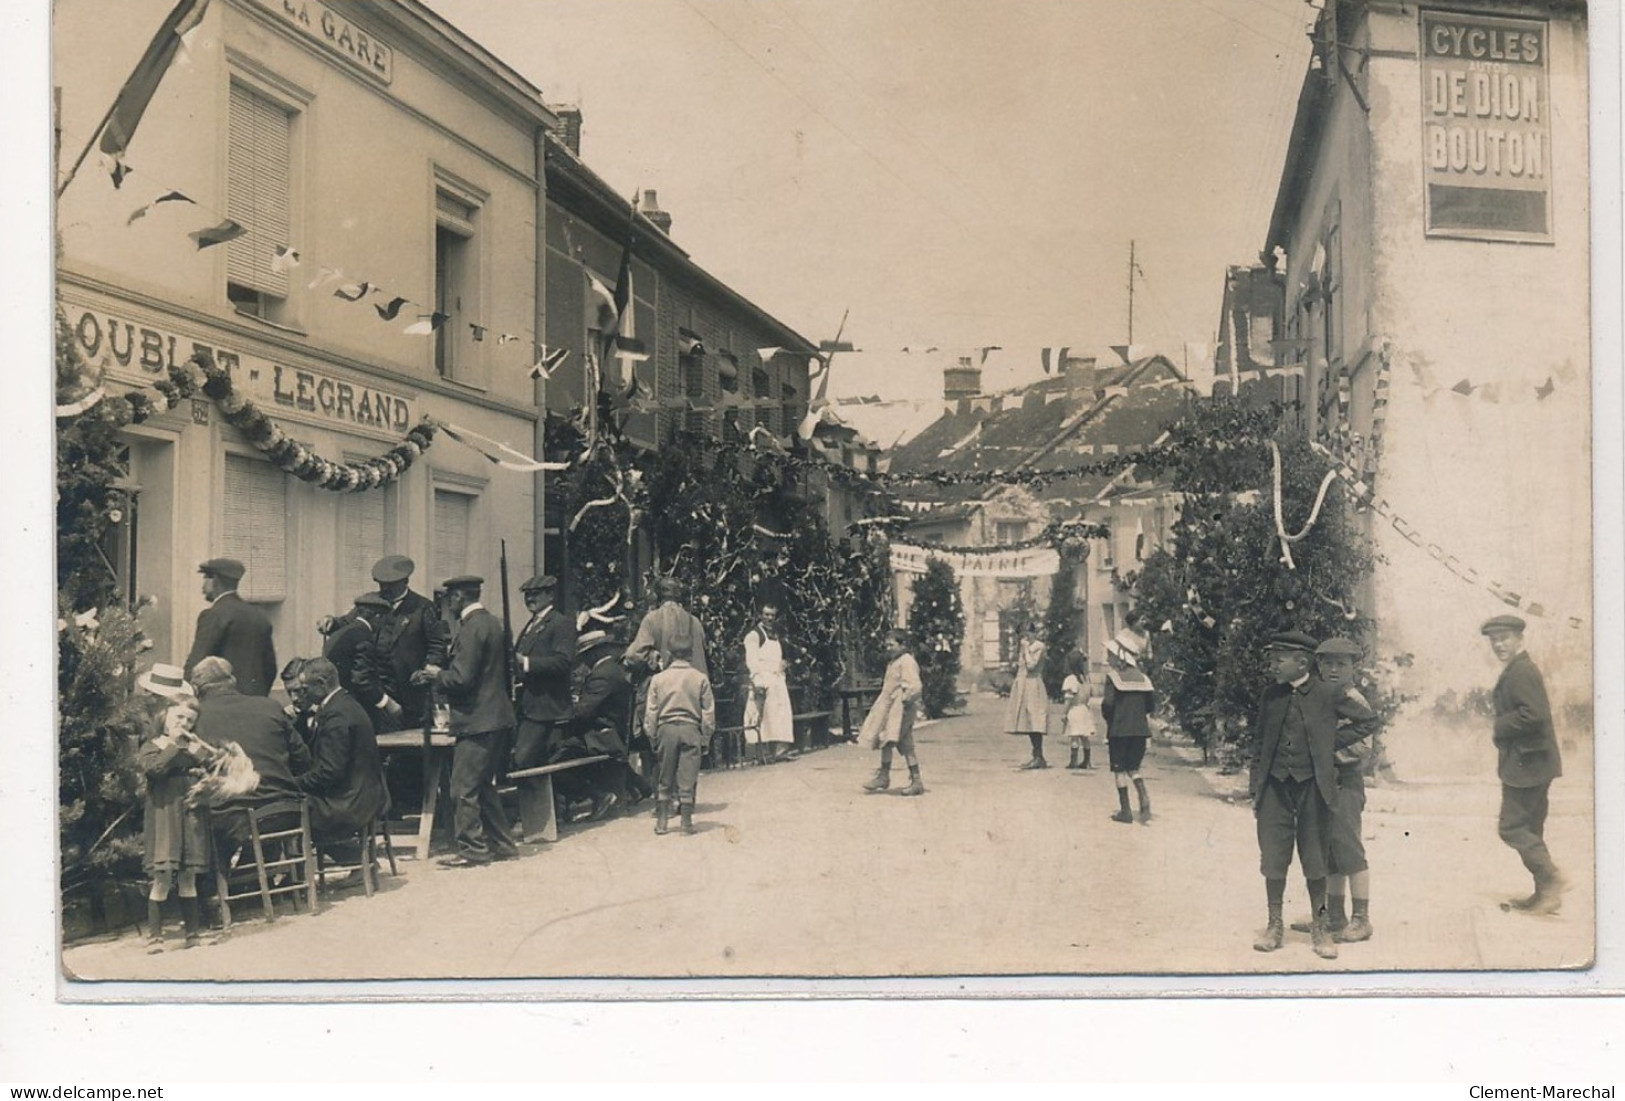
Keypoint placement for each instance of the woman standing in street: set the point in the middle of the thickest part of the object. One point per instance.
(1028, 710)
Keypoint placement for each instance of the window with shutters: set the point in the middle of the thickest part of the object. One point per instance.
(457, 283)
(366, 533)
(256, 527)
(453, 520)
(259, 197)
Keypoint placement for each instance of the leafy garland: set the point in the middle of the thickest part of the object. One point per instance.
(202, 374)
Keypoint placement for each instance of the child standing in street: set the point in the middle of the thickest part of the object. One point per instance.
(681, 716)
(890, 721)
(1127, 705)
(174, 836)
(1080, 719)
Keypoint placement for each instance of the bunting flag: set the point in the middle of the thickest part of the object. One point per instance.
(391, 309)
(284, 259)
(1051, 365)
(324, 275)
(984, 350)
(548, 361)
(621, 300)
(354, 292)
(505, 338)
(1465, 388)
(167, 197)
(767, 354)
(1544, 390)
(478, 330)
(426, 324)
(496, 451)
(227, 230)
(137, 92)
(808, 425)
(117, 169)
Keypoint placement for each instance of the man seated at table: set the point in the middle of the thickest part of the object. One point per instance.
(258, 725)
(599, 726)
(345, 782)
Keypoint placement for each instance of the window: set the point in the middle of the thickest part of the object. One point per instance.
(1108, 618)
(1009, 531)
(453, 519)
(1107, 558)
(992, 639)
(366, 529)
(256, 527)
(456, 282)
(259, 181)
(762, 384)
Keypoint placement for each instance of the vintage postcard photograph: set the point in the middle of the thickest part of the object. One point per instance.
(820, 492)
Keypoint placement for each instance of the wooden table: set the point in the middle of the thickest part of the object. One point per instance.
(436, 750)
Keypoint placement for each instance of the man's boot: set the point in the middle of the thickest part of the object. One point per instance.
(1124, 814)
(1073, 761)
(193, 920)
(155, 927)
(1274, 934)
(914, 785)
(1320, 938)
(1145, 800)
(881, 781)
(1359, 926)
(1548, 897)
(685, 813)
(662, 816)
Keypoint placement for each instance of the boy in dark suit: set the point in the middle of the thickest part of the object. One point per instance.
(233, 629)
(1527, 763)
(1294, 779)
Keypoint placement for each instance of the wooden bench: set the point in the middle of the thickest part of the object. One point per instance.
(812, 722)
(862, 694)
(536, 800)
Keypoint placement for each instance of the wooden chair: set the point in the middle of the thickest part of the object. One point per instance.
(291, 852)
(366, 839)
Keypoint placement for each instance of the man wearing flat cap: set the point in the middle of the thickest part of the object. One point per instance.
(351, 649)
(544, 656)
(233, 629)
(1527, 763)
(475, 684)
(1294, 779)
(410, 636)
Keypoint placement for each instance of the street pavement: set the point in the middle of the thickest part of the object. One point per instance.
(795, 872)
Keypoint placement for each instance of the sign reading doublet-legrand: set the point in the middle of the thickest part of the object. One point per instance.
(141, 353)
(322, 24)
(1486, 127)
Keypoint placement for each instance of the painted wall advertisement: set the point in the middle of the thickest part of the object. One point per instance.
(1486, 127)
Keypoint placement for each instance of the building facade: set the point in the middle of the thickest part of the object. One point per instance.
(385, 170)
(1431, 236)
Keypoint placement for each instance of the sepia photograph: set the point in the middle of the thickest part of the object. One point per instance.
(824, 492)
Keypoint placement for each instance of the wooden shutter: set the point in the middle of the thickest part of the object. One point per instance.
(361, 539)
(258, 151)
(453, 515)
(256, 531)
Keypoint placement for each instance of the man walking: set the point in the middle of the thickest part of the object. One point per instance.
(233, 629)
(410, 637)
(1294, 779)
(475, 684)
(1527, 763)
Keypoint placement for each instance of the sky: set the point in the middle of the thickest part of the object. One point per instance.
(956, 174)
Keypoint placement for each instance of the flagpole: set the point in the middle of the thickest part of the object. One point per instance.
(95, 135)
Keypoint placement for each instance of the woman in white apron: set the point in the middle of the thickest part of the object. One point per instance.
(769, 720)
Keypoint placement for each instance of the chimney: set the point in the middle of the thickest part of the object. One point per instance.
(650, 209)
(961, 380)
(1080, 372)
(570, 128)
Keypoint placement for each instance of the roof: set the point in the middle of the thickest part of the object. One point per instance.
(889, 423)
(418, 18)
(1047, 425)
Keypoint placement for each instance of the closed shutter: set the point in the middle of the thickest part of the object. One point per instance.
(258, 151)
(453, 515)
(256, 531)
(361, 539)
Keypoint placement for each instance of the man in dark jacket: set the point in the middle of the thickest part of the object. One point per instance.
(475, 685)
(352, 649)
(233, 629)
(345, 782)
(410, 637)
(1527, 763)
(266, 736)
(1294, 779)
(601, 726)
(544, 655)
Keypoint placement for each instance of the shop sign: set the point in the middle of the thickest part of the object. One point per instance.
(1486, 127)
(323, 25)
(143, 353)
(1031, 562)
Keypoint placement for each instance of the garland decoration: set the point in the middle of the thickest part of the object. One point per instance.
(1069, 537)
(201, 374)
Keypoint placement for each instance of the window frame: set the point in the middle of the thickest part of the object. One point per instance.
(454, 355)
(279, 311)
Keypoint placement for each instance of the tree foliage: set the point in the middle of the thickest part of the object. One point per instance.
(1220, 587)
(936, 619)
(1060, 626)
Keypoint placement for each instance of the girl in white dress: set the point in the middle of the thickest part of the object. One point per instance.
(1028, 709)
(1080, 717)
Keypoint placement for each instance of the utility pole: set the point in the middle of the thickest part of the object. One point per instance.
(1131, 290)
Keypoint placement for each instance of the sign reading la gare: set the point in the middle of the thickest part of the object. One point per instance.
(125, 347)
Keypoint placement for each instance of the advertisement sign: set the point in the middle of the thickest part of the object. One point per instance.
(1486, 127)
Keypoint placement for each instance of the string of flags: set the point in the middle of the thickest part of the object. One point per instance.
(1363, 492)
